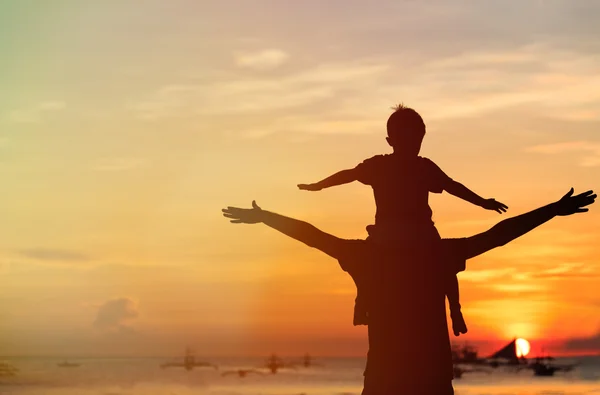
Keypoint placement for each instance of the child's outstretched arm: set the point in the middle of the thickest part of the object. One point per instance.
(459, 190)
(339, 178)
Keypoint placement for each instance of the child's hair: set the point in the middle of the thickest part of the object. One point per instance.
(405, 120)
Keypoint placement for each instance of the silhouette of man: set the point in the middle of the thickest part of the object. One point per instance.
(413, 359)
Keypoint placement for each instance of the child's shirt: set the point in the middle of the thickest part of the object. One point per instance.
(401, 187)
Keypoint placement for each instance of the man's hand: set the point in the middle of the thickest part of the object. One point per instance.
(309, 187)
(243, 215)
(492, 204)
(570, 204)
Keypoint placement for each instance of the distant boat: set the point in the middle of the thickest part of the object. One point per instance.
(241, 372)
(189, 362)
(567, 368)
(66, 364)
(7, 370)
(307, 362)
(274, 363)
(541, 368)
(458, 371)
(544, 367)
(507, 354)
(466, 355)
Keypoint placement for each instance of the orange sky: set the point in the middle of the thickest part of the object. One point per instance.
(123, 133)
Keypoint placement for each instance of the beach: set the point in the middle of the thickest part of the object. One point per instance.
(335, 376)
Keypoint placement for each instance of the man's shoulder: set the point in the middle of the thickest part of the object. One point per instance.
(354, 253)
(377, 159)
(426, 161)
(453, 241)
(351, 247)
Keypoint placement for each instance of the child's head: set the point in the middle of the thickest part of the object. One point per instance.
(406, 130)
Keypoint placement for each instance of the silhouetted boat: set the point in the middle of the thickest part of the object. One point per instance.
(544, 367)
(567, 368)
(66, 364)
(189, 362)
(459, 371)
(540, 368)
(507, 355)
(7, 370)
(274, 364)
(241, 372)
(308, 362)
(467, 355)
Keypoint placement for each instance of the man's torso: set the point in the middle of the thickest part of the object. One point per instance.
(408, 333)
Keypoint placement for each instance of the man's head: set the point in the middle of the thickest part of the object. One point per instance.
(406, 130)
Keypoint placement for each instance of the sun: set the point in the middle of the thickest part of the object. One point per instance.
(523, 347)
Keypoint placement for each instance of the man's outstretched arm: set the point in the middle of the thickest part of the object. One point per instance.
(512, 228)
(296, 229)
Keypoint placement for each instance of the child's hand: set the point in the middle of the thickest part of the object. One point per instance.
(492, 204)
(309, 187)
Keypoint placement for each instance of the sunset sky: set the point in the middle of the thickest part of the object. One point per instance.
(125, 127)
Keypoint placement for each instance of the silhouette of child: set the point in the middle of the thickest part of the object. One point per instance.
(401, 183)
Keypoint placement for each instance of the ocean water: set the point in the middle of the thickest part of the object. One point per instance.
(336, 376)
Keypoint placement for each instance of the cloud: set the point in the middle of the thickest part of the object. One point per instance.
(512, 314)
(37, 112)
(487, 59)
(511, 279)
(591, 343)
(4, 268)
(477, 276)
(45, 254)
(52, 106)
(518, 287)
(260, 101)
(558, 81)
(543, 252)
(559, 147)
(501, 282)
(566, 270)
(267, 59)
(590, 151)
(120, 164)
(114, 315)
(354, 96)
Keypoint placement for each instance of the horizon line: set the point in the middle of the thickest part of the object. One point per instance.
(266, 355)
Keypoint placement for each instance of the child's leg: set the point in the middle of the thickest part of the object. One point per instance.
(458, 323)
(360, 308)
